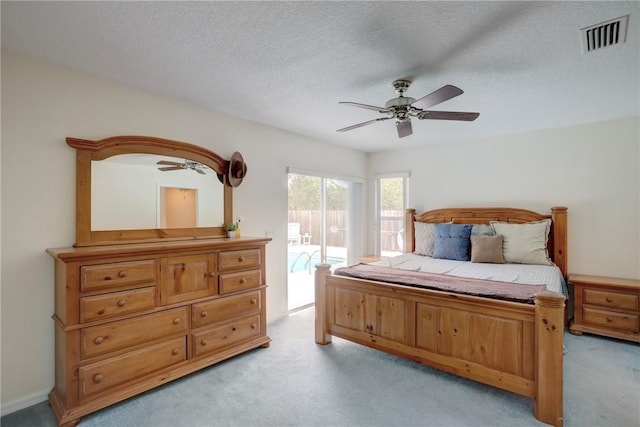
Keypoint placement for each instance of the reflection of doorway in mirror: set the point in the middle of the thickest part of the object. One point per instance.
(178, 207)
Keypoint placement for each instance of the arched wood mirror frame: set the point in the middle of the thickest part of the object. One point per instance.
(87, 150)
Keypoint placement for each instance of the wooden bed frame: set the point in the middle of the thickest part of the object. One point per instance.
(514, 346)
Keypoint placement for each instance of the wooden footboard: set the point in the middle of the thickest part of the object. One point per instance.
(513, 346)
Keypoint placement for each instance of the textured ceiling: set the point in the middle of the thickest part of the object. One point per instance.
(288, 64)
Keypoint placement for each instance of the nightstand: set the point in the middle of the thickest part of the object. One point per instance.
(606, 306)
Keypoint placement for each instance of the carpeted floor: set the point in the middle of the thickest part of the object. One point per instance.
(298, 383)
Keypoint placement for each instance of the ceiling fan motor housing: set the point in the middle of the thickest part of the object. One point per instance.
(402, 109)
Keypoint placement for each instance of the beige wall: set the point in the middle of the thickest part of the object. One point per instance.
(592, 169)
(43, 104)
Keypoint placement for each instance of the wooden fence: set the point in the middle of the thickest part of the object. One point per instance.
(310, 223)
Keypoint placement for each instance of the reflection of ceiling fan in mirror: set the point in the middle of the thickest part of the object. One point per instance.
(174, 166)
(403, 108)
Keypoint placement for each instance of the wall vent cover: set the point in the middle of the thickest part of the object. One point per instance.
(605, 34)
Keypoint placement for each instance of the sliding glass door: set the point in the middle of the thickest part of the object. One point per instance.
(392, 194)
(320, 230)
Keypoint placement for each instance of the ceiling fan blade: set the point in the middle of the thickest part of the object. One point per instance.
(167, 162)
(404, 128)
(436, 97)
(363, 124)
(170, 168)
(448, 115)
(369, 107)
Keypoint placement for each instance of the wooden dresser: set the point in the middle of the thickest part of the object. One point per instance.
(606, 306)
(130, 317)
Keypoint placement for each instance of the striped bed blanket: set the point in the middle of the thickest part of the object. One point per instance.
(508, 291)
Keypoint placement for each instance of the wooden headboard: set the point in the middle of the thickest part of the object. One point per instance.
(557, 245)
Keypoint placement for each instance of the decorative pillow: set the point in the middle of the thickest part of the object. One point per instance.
(524, 243)
(482, 230)
(486, 249)
(425, 238)
(452, 241)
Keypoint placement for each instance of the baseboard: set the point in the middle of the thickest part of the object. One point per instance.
(23, 402)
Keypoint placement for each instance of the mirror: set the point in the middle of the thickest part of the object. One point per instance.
(123, 197)
(176, 197)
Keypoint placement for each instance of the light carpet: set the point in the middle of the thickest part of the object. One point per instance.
(296, 382)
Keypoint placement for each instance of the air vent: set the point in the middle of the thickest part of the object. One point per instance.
(605, 34)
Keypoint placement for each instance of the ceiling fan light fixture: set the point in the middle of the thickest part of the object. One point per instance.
(402, 108)
(400, 101)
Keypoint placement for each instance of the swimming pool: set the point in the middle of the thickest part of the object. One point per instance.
(304, 261)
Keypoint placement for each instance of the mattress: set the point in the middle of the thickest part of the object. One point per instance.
(525, 274)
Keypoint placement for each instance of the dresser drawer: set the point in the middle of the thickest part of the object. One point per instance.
(239, 260)
(238, 281)
(224, 336)
(94, 277)
(113, 304)
(114, 336)
(100, 376)
(611, 320)
(221, 309)
(611, 299)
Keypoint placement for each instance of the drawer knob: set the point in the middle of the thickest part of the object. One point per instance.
(203, 314)
(253, 326)
(175, 351)
(121, 303)
(98, 340)
(176, 321)
(241, 259)
(609, 299)
(97, 378)
(122, 273)
(609, 319)
(253, 300)
(212, 274)
(243, 280)
(203, 342)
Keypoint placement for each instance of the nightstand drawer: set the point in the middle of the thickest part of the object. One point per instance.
(611, 299)
(609, 319)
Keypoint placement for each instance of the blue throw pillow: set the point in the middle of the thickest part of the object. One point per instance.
(452, 241)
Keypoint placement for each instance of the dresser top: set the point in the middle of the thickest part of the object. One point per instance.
(155, 248)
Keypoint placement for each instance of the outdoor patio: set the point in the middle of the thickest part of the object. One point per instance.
(302, 260)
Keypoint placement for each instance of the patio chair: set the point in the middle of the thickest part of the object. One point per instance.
(293, 235)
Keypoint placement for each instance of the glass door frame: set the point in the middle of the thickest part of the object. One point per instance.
(354, 215)
(377, 205)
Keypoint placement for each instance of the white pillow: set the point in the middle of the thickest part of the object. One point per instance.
(425, 235)
(482, 230)
(524, 243)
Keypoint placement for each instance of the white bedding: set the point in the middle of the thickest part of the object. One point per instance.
(549, 275)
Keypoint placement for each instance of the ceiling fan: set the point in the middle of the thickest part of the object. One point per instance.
(403, 108)
(174, 166)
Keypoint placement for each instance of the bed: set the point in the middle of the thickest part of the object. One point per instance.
(514, 343)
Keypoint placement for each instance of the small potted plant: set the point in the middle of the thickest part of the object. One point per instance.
(231, 229)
